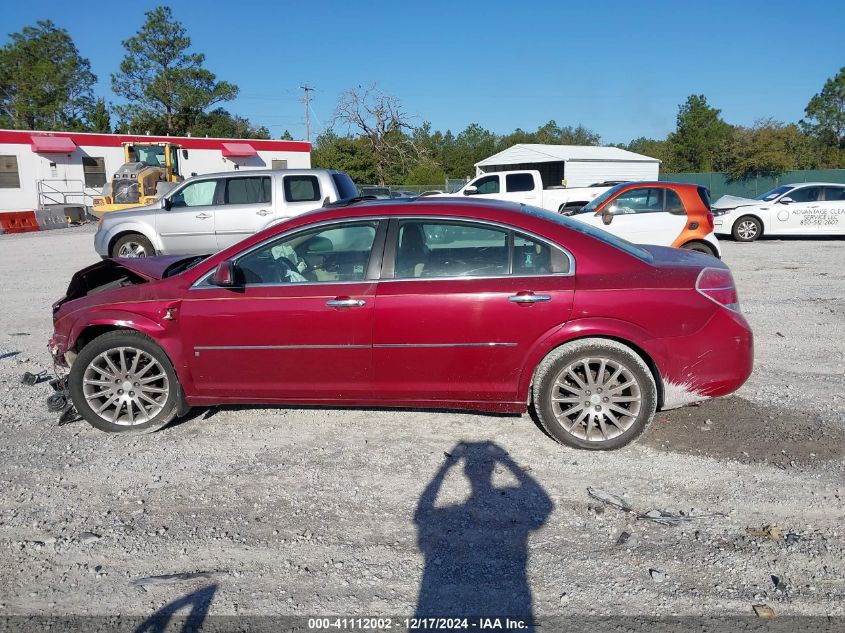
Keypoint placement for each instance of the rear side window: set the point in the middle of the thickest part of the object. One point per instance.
(705, 196)
(253, 190)
(531, 257)
(674, 204)
(433, 249)
(519, 182)
(302, 189)
(834, 193)
(344, 185)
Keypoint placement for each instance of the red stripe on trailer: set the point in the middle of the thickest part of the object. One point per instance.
(22, 137)
(18, 222)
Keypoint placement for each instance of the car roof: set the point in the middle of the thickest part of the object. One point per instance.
(658, 183)
(262, 172)
(814, 184)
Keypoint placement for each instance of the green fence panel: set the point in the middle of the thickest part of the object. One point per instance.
(719, 184)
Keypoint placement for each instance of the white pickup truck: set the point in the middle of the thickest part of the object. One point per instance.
(526, 187)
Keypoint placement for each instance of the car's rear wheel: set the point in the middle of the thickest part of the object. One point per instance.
(747, 229)
(595, 394)
(133, 245)
(122, 381)
(700, 247)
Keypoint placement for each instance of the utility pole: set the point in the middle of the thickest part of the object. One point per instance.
(306, 99)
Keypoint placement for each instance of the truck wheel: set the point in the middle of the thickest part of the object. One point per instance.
(595, 394)
(133, 245)
(123, 382)
(747, 229)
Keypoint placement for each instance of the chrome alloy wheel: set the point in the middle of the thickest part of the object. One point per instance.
(125, 386)
(596, 399)
(132, 249)
(747, 229)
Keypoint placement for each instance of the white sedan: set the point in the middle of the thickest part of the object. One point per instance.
(810, 208)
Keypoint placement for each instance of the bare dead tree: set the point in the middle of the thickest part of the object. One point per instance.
(381, 119)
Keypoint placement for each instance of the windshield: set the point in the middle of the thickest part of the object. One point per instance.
(774, 193)
(600, 200)
(345, 187)
(597, 233)
(150, 155)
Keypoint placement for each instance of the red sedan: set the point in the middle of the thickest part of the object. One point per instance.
(423, 303)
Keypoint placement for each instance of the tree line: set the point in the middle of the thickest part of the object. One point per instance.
(46, 84)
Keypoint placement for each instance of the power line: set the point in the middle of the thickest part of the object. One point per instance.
(306, 98)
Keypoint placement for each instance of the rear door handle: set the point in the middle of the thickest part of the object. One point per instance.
(529, 297)
(345, 302)
(203, 216)
(263, 212)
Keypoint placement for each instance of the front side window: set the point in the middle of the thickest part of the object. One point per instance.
(638, 201)
(488, 184)
(519, 182)
(94, 169)
(252, 190)
(805, 194)
(195, 194)
(302, 189)
(438, 249)
(9, 178)
(327, 254)
(835, 194)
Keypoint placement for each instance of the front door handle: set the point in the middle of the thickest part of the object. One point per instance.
(263, 212)
(345, 302)
(203, 216)
(529, 297)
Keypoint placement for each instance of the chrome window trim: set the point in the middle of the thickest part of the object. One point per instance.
(438, 345)
(571, 273)
(265, 347)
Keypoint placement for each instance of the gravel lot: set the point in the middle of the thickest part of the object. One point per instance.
(308, 511)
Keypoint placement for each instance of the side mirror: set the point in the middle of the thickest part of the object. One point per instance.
(607, 214)
(470, 190)
(786, 200)
(224, 274)
(165, 204)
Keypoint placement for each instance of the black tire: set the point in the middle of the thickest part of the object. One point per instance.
(700, 247)
(142, 246)
(593, 351)
(747, 229)
(111, 342)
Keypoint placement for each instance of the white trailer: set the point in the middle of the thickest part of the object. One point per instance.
(40, 170)
(573, 166)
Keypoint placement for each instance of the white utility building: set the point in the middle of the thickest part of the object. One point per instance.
(573, 165)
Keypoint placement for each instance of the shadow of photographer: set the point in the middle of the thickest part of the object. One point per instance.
(476, 552)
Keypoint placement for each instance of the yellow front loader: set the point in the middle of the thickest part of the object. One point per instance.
(136, 183)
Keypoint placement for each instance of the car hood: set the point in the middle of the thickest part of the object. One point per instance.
(148, 267)
(732, 202)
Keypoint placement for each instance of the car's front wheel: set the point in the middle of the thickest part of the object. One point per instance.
(747, 229)
(133, 245)
(122, 381)
(594, 393)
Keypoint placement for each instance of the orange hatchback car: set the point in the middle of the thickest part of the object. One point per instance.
(662, 213)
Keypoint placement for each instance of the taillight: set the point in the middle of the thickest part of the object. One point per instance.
(710, 220)
(717, 284)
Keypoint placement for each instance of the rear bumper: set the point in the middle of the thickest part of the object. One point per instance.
(715, 361)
